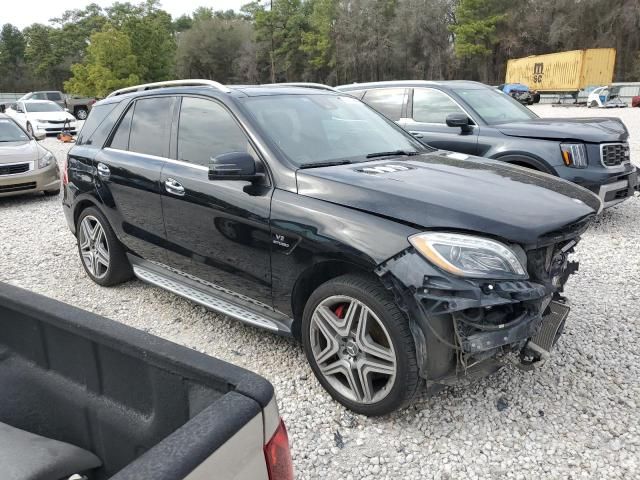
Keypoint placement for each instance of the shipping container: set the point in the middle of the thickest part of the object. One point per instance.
(564, 71)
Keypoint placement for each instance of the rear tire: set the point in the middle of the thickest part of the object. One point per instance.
(81, 113)
(360, 346)
(101, 253)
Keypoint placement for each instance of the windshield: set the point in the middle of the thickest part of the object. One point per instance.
(494, 106)
(10, 132)
(318, 129)
(42, 107)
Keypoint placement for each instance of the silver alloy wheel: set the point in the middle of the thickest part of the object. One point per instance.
(82, 114)
(353, 349)
(94, 247)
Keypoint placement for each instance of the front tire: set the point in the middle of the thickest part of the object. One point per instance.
(102, 255)
(359, 345)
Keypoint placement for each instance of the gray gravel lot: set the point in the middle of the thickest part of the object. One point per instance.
(576, 417)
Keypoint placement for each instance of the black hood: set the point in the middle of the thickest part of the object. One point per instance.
(592, 130)
(440, 190)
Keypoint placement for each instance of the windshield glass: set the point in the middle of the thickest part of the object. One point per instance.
(494, 106)
(313, 129)
(10, 132)
(42, 107)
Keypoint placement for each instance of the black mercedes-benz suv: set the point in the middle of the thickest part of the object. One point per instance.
(307, 213)
(475, 119)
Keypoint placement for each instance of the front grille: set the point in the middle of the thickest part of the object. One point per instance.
(17, 187)
(613, 154)
(56, 121)
(14, 168)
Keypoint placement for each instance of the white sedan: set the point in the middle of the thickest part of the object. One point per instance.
(44, 115)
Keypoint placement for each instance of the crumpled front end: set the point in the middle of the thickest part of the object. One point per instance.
(467, 327)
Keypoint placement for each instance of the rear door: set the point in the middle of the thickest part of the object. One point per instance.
(391, 102)
(218, 230)
(128, 175)
(427, 113)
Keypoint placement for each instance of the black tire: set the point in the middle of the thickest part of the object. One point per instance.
(52, 193)
(81, 113)
(119, 270)
(380, 301)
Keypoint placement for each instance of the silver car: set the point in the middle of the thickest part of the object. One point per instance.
(25, 165)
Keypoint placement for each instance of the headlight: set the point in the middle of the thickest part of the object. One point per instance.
(46, 160)
(468, 256)
(574, 155)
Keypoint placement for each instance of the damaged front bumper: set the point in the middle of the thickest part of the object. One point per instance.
(466, 327)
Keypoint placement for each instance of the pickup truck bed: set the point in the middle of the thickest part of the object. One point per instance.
(146, 407)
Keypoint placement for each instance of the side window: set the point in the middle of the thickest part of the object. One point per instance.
(120, 138)
(151, 126)
(98, 125)
(388, 101)
(54, 96)
(38, 96)
(206, 130)
(432, 106)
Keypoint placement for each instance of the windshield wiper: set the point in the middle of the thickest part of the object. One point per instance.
(404, 153)
(324, 164)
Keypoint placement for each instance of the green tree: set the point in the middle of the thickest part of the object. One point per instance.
(12, 46)
(476, 31)
(110, 64)
(319, 41)
(150, 31)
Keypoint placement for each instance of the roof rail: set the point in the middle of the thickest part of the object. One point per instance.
(319, 86)
(170, 83)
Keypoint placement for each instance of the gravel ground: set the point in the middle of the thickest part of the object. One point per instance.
(576, 417)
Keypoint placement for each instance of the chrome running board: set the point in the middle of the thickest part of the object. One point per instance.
(210, 298)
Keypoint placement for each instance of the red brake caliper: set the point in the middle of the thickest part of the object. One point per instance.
(339, 311)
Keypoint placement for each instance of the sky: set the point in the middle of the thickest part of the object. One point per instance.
(22, 13)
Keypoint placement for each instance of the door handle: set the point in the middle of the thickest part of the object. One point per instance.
(416, 134)
(103, 171)
(173, 187)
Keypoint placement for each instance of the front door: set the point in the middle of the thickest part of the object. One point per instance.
(427, 122)
(218, 230)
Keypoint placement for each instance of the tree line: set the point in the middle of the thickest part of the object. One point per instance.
(94, 50)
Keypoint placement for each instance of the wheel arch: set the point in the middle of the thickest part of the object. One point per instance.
(82, 205)
(311, 278)
(526, 160)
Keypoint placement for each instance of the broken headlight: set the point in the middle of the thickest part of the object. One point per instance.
(468, 255)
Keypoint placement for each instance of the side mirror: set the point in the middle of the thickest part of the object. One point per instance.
(459, 120)
(233, 166)
(39, 135)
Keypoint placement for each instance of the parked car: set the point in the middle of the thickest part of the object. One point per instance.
(78, 106)
(606, 97)
(84, 395)
(41, 115)
(520, 92)
(474, 119)
(306, 213)
(25, 165)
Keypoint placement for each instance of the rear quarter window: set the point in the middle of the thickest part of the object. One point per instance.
(98, 125)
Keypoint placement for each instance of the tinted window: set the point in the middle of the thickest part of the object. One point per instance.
(38, 96)
(121, 136)
(388, 101)
(318, 128)
(206, 130)
(96, 119)
(54, 96)
(151, 126)
(432, 106)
